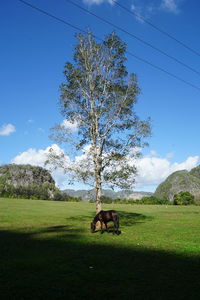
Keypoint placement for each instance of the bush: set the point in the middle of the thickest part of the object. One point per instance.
(153, 200)
(183, 198)
(106, 199)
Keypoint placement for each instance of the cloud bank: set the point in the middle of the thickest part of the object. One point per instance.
(152, 170)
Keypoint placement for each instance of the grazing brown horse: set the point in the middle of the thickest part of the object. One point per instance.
(105, 216)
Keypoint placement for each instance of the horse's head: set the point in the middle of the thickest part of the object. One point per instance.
(92, 227)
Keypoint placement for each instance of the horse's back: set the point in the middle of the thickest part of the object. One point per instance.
(108, 215)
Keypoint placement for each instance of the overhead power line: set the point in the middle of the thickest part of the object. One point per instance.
(135, 37)
(156, 27)
(128, 52)
(50, 15)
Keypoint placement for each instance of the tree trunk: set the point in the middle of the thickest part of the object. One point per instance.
(98, 192)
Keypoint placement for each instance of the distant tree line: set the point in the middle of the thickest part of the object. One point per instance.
(47, 191)
(181, 198)
(143, 200)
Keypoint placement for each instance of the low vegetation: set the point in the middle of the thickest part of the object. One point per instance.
(47, 191)
(48, 252)
(183, 198)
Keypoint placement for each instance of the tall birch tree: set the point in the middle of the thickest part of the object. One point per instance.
(98, 99)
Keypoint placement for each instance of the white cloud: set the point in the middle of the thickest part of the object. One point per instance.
(141, 12)
(145, 9)
(7, 129)
(90, 2)
(153, 170)
(32, 157)
(72, 127)
(38, 157)
(170, 6)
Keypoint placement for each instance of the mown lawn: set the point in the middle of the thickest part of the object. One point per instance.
(48, 252)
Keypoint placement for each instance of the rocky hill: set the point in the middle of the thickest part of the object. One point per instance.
(26, 180)
(90, 194)
(180, 181)
(24, 175)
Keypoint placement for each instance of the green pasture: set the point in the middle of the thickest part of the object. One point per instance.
(48, 252)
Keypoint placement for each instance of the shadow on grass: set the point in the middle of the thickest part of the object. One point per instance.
(125, 219)
(110, 229)
(74, 268)
(60, 228)
(130, 219)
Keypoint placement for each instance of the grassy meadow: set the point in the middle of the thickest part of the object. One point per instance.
(48, 252)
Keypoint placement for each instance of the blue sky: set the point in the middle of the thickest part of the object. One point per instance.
(35, 47)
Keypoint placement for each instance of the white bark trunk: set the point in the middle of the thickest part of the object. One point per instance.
(98, 192)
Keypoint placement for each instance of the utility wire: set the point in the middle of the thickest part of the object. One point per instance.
(50, 15)
(129, 53)
(134, 37)
(156, 27)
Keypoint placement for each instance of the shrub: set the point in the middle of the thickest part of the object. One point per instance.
(106, 199)
(153, 200)
(183, 198)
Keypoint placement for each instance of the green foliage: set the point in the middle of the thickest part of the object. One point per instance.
(153, 200)
(196, 172)
(105, 199)
(99, 96)
(29, 192)
(183, 198)
(46, 191)
(144, 200)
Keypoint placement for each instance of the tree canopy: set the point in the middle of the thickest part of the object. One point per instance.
(97, 101)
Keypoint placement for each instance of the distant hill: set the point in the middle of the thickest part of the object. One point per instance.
(26, 180)
(180, 181)
(24, 175)
(90, 194)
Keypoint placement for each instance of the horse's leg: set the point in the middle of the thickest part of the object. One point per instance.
(101, 226)
(113, 231)
(106, 226)
(116, 224)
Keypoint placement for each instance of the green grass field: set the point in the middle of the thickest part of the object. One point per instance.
(48, 252)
